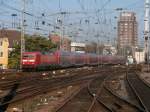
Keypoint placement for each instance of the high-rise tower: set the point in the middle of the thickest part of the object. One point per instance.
(127, 30)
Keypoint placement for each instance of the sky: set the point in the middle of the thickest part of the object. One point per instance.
(84, 19)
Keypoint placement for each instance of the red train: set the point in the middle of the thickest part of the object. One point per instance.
(38, 60)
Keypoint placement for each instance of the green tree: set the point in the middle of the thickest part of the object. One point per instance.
(14, 56)
(32, 43)
(38, 43)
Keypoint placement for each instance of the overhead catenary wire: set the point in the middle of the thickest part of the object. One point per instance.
(85, 14)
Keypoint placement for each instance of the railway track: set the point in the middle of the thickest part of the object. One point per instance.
(56, 73)
(35, 85)
(85, 100)
(38, 85)
(141, 90)
(113, 101)
(45, 86)
(28, 80)
(97, 97)
(24, 78)
(29, 76)
(131, 94)
(12, 76)
(94, 90)
(112, 86)
(125, 101)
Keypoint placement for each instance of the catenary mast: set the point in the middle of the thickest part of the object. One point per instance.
(22, 32)
(146, 30)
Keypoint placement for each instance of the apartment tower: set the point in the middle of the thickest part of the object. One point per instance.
(127, 30)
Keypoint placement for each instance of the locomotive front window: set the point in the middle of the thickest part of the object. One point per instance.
(29, 56)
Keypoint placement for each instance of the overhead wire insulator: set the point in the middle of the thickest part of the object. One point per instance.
(43, 22)
(43, 14)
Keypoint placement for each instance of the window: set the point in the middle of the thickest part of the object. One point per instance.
(1, 43)
(28, 56)
(1, 54)
(126, 24)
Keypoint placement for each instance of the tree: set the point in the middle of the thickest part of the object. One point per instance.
(32, 43)
(14, 56)
(38, 43)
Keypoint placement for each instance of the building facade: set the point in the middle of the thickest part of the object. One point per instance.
(13, 36)
(78, 47)
(127, 30)
(140, 57)
(4, 53)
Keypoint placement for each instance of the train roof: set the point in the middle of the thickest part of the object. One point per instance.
(35, 52)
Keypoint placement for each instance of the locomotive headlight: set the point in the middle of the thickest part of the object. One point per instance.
(31, 60)
(24, 60)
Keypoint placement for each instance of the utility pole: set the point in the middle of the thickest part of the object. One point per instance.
(22, 33)
(146, 30)
(60, 21)
(62, 31)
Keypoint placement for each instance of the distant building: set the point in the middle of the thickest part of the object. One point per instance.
(91, 48)
(64, 42)
(109, 50)
(4, 53)
(127, 30)
(7, 39)
(12, 35)
(78, 47)
(140, 57)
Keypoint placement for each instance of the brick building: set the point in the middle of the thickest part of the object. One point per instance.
(12, 35)
(64, 42)
(127, 30)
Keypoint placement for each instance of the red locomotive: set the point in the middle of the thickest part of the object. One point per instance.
(38, 60)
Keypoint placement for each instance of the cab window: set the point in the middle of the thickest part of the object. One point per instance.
(28, 56)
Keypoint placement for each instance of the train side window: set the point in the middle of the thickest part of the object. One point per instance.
(52, 53)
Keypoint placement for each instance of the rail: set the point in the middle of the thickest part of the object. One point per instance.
(141, 90)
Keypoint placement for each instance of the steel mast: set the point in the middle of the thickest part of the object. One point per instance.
(22, 33)
(146, 30)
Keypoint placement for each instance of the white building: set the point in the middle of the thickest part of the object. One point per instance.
(140, 57)
(109, 50)
(78, 47)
